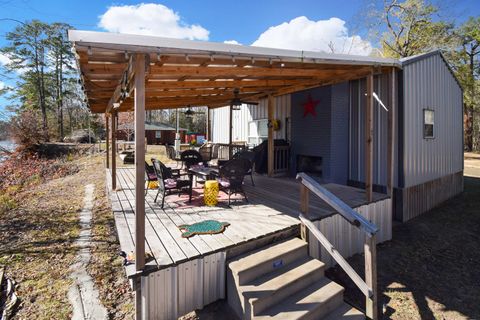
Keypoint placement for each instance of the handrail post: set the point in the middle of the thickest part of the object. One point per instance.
(370, 248)
(304, 201)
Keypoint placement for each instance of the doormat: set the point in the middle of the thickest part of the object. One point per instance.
(203, 227)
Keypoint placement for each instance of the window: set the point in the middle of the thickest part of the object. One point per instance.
(158, 134)
(257, 131)
(428, 122)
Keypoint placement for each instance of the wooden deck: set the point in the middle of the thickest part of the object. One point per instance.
(272, 210)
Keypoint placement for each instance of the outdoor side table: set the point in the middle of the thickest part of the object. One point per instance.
(210, 193)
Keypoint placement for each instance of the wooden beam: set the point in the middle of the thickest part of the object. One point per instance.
(271, 145)
(369, 140)
(230, 131)
(139, 162)
(244, 71)
(114, 150)
(391, 134)
(190, 84)
(209, 125)
(128, 73)
(107, 140)
(370, 249)
(139, 115)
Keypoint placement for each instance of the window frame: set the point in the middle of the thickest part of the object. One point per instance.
(425, 136)
(257, 138)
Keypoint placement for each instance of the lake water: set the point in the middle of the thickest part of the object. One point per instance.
(9, 145)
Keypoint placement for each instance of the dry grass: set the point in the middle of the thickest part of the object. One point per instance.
(36, 245)
(430, 268)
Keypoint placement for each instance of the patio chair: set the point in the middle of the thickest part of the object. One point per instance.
(231, 177)
(150, 176)
(206, 152)
(250, 156)
(170, 181)
(190, 158)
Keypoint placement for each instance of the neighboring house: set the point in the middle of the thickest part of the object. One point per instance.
(155, 132)
(325, 127)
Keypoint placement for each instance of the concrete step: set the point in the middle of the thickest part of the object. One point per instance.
(272, 288)
(347, 312)
(267, 259)
(314, 302)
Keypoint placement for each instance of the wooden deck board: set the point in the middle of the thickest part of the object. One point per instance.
(272, 208)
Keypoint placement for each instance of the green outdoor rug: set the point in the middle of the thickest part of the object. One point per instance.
(203, 227)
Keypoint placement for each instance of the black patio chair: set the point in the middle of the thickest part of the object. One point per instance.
(171, 153)
(231, 177)
(250, 156)
(170, 181)
(206, 152)
(190, 158)
(150, 176)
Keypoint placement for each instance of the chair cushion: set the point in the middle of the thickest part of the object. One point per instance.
(224, 182)
(170, 183)
(152, 176)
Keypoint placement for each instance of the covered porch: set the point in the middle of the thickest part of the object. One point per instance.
(127, 73)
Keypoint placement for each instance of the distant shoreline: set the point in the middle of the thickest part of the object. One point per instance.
(8, 145)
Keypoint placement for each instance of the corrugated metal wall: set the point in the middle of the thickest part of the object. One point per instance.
(340, 133)
(428, 83)
(176, 291)
(347, 239)
(247, 113)
(357, 130)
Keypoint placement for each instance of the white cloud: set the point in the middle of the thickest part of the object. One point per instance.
(2, 85)
(232, 42)
(322, 35)
(4, 59)
(150, 19)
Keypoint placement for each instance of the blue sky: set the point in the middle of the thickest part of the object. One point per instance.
(303, 25)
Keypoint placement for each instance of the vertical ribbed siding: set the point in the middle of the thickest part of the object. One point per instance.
(357, 130)
(429, 84)
(247, 113)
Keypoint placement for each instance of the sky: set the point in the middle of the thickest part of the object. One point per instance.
(303, 25)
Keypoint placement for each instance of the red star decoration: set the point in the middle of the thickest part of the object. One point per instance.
(309, 106)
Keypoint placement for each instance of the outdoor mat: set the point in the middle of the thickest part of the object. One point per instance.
(203, 227)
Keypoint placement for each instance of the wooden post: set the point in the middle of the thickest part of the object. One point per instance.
(107, 141)
(114, 151)
(230, 132)
(391, 134)
(369, 140)
(139, 173)
(271, 144)
(304, 204)
(209, 126)
(371, 276)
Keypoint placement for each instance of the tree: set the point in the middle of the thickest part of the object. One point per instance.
(466, 63)
(26, 52)
(63, 60)
(409, 27)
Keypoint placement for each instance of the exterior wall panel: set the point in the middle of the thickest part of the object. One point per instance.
(247, 113)
(428, 84)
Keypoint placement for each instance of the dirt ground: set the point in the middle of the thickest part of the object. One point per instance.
(430, 268)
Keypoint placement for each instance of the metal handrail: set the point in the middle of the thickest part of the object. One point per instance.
(343, 209)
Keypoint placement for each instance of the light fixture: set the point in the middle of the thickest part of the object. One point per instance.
(89, 51)
(189, 113)
(212, 58)
(253, 60)
(126, 55)
(187, 57)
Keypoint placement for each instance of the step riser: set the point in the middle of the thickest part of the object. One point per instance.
(325, 308)
(264, 267)
(259, 305)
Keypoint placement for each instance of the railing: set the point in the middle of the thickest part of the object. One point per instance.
(367, 287)
(226, 151)
(281, 156)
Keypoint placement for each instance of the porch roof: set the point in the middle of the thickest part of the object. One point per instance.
(185, 72)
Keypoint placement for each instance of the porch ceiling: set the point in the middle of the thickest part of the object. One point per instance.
(183, 72)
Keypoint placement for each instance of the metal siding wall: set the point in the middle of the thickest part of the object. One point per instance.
(311, 136)
(176, 291)
(428, 83)
(347, 239)
(357, 130)
(247, 113)
(340, 132)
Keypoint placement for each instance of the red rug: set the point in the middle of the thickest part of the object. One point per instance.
(181, 202)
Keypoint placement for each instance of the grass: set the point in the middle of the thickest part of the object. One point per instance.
(430, 268)
(36, 245)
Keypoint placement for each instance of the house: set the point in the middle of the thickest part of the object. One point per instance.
(325, 127)
(155, 133)
(356, 160)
